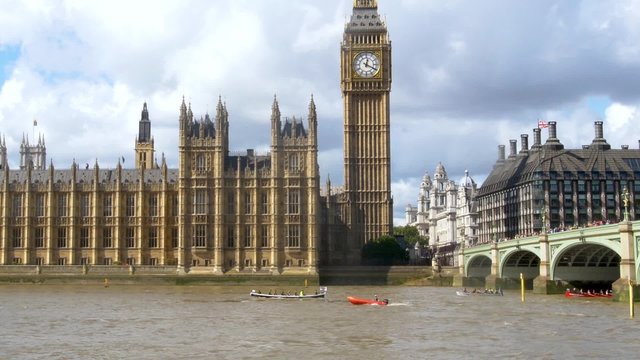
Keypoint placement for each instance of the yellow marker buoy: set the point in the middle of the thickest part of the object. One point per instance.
(106, 282)
(631, 309)
(522, 287)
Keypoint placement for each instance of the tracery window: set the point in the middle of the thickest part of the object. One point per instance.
(200, 235)
(247, 236)
(107, 205)
(293, 201)
(130, 205)
(293, 235)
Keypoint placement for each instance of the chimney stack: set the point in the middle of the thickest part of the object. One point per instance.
(524, 143)
(552, 130)
(552, 141)
(513, 148)
(599, 132)
(599, 142)
(501, 156)
(537, 139)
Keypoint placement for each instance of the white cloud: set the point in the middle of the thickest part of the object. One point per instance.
(619, 116)
(621, 125)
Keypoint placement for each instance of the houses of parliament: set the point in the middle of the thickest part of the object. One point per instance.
(220, 210)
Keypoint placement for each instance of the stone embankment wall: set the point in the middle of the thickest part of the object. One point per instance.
(348, 275)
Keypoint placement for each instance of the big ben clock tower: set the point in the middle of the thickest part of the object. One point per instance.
(365, 65)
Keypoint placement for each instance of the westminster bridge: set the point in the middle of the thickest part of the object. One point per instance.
(550, 262)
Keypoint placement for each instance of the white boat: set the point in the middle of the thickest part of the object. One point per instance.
(321, 293)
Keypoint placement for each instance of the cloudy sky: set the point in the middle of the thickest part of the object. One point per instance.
(467, 76)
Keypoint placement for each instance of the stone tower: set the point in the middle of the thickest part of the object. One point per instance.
(365, 65)
(36, 154)
(245, 211)
(144, 142)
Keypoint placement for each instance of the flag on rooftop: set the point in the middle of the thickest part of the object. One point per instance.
(542, 124)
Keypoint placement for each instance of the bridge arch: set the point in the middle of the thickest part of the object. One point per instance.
(479, 266)
(586, 263)
(518, 262)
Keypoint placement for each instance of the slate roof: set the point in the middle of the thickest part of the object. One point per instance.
(259, 161)
(289, 129)
(591, 162)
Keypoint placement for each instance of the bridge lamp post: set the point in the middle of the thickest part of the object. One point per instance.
(625, 200)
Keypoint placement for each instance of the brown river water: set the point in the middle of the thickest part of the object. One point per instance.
(214, 322)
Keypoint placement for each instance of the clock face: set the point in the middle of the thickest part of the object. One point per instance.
(366, 64)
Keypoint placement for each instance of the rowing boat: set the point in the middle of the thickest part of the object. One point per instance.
(569, 294)
(360, 301)
(301, 295)
(480, 293)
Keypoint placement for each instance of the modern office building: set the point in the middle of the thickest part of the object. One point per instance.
(547, 187)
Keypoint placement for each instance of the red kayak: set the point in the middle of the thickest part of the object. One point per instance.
(359, 301)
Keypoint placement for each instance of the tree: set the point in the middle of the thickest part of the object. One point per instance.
(411, 235)
(384, 251)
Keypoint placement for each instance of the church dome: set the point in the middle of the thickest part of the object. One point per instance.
(467, 181)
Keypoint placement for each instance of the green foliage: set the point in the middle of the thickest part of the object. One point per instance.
(384, 251)
(411, 235)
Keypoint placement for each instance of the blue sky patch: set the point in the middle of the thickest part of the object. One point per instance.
(598, 104)
(8, 57)
(53, 77)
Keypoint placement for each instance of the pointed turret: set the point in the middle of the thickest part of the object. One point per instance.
(220, 113)
(183, 120)
(144, 143)
(313, 122)
(144, 128)
(275, 121)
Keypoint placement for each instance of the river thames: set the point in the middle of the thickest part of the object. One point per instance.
(211, 322)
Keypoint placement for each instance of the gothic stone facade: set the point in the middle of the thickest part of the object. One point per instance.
(220, 211)
(217, 212)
